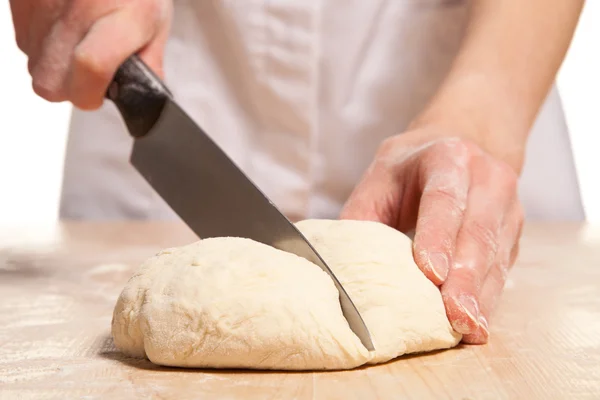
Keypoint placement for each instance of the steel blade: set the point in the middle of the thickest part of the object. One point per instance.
(215, 198)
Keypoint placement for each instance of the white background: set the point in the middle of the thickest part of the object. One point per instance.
(33, 132)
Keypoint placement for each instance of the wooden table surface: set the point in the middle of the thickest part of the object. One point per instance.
(59, 284)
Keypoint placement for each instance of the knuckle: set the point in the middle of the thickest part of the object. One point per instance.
(46, 81)
(448, 197)
(455, 146)
(391, 153)
(47, 90)
(503, 173)
(484, 234)
(22, 42)
(85, 63)
(503, 176)
(447, 185)
(453, 150)
(155, 9)
(507, 172)
(386, 146)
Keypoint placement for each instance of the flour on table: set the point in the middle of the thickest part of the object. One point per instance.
(237, 303)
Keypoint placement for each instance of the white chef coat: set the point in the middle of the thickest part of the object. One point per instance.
(300, 94)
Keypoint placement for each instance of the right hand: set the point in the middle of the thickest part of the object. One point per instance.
(76, 46)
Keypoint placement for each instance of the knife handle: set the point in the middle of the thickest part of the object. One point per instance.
(138, 94)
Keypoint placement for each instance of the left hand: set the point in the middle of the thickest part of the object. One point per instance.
(462, 204)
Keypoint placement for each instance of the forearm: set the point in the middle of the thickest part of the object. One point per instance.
(508, 61)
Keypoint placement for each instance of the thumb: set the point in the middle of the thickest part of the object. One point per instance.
(375, 198)
(109, 41)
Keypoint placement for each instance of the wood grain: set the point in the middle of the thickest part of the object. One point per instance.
(59, 284)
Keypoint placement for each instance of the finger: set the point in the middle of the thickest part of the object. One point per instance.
(444, 185)
(153, 53)
(51, 48)
(388, 191)
(375, 198)
(22, 13)
(491, 195)
(33, 21)
(49, 65)
(495, 280)
(96, 58)
(520, 218)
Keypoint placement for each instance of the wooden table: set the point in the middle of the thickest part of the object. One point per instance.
(58, 286)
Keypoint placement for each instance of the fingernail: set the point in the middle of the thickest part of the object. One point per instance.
(469, 305)
(438, 262)
(483, 324)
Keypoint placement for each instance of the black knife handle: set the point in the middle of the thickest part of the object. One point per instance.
(138, 94)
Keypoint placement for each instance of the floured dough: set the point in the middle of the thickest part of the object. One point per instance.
(236, 303)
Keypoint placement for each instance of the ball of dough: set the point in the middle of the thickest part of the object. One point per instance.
(236, 303)
(402, 309)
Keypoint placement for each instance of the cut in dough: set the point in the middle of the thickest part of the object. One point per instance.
(237, 303)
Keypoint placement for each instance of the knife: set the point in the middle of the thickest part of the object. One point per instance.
(199, 181)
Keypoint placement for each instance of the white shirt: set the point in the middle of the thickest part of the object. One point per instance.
(300, 94)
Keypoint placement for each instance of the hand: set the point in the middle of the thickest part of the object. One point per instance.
(462, 204)
(75, 46)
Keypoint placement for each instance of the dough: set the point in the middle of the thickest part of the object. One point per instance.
(236, 303)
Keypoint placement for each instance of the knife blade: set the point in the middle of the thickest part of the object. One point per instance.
(199, 181)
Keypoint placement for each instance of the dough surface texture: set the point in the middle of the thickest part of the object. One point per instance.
(236, 303)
